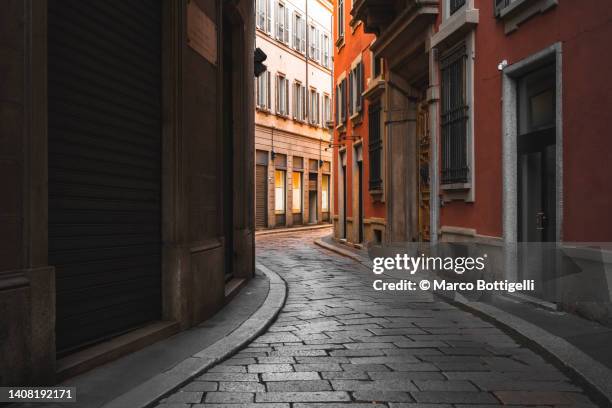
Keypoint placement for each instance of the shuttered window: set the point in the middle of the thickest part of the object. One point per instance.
(375, 147)
(454, 116)
(282, 95)
(282, 22)
(299, 33)
(355, 89)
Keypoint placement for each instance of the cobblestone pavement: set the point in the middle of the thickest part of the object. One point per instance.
(337, 341)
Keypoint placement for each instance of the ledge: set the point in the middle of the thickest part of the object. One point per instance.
(454, 27)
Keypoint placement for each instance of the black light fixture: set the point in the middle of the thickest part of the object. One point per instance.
(272, 154)
(259, 58)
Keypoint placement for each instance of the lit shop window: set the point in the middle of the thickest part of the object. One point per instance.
(279, 191)
(325, 193)
(297, 192)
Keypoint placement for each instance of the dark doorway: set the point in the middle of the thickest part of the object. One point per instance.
(228, 144)
(360, 198)
(536, 172)
(344, 197)
(312, 198)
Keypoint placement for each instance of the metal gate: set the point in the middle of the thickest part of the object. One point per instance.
(422, 131)
(261, 194)
(104, 166)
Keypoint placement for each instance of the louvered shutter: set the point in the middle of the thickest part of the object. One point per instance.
(286, 32)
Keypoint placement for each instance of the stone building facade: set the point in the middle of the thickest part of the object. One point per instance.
(358, 161)
(292, 111)
(493, 129)
(126, 148)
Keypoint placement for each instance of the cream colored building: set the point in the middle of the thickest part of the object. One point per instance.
(293, 107)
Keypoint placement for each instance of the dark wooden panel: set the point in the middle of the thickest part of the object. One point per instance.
(104, 166)
(261, 192)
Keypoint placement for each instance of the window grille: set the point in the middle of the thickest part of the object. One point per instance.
(454, 117)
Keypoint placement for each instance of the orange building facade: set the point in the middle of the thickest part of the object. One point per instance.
(359, 204)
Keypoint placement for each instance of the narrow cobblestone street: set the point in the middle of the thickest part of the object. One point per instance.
(338, 341)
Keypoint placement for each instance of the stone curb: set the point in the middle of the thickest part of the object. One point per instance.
(344, 252)
(590, 373)
(295, 229)
(593, 375)
(154, 389)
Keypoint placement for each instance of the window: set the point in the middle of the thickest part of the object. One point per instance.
(375, 147)
(279, 191)
(282, 23)
(314, 107)
(299, 101)
(264, 16)
(454, 116)
(297, 192)
(340, 19)
(282, 95)
(326, 109)
(325, 57)
(325, 193)
(355, 89)
(341, 103)
(262, 87)
(456, 5)
(299, 33)
(314, 46)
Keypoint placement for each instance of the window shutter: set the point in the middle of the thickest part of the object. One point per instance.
(268, 16)
(277, 20)
(287, 97)
(359, 79)
(268, 91)
(351, 96)
(286, 33)
(343, 107)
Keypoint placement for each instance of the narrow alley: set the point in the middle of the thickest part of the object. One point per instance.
(337, 341)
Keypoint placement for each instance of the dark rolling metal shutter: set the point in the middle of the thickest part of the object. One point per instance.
(261, 196)
(104, 166)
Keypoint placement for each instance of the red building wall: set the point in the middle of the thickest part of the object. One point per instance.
(356, 42)
(585, 30)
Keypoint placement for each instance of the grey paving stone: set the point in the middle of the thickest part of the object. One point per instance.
(320, 396)
(275, 360)
(203, 386)
(269, 368)
(228, 377)
(317, 367)
(228, 369)
(411, 375)
(284, 386)
(396, 384)
(228, 397)
(380, 396)
(241, 386)
(446, 385)
(540, 398)
(345, 375)
(184, 397)
(294, 376)
(454, 397)
(418, 405)
(245, 405)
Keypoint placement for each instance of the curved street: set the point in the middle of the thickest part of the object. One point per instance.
(338, 341)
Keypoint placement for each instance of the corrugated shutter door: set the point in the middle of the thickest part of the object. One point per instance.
(261, 196)
(104, 166)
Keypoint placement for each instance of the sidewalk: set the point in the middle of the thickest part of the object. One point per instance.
(107, 382)
(292, 229)
(588, 341)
